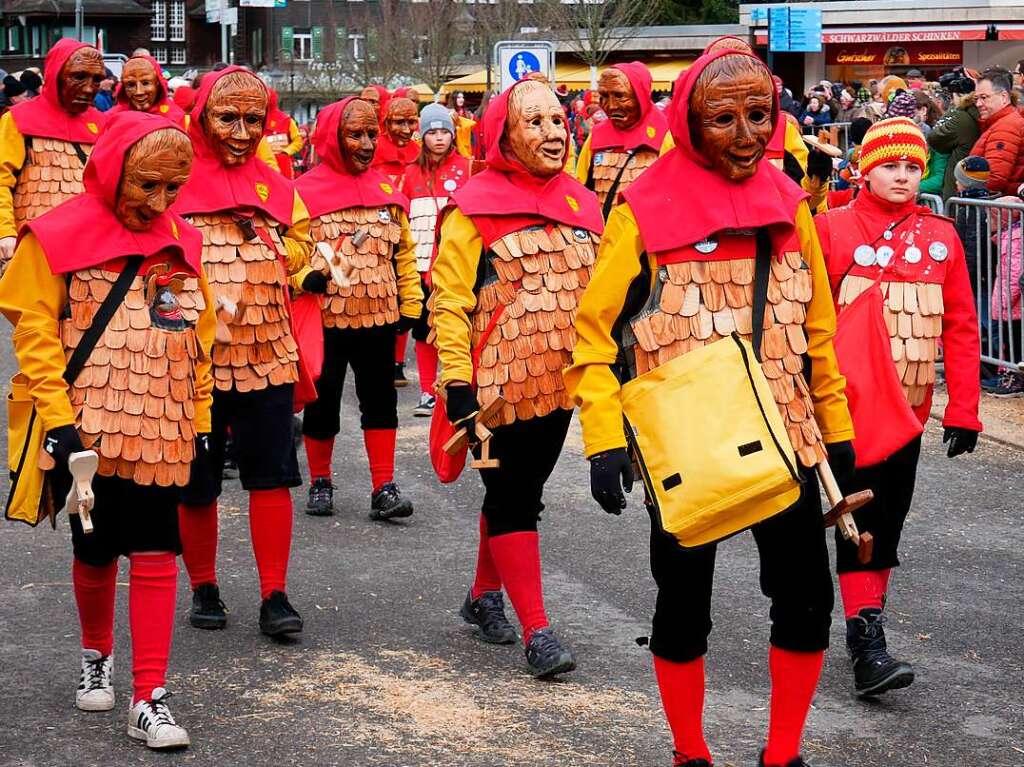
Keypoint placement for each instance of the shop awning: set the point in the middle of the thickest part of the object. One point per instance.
(1010, 31)
(574, 75)
(895, 34)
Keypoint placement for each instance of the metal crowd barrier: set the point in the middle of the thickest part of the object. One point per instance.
(838, 133)
(933, 201)
(992, 233)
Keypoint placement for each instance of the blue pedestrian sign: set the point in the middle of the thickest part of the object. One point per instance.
(522, 63)
(792, 29)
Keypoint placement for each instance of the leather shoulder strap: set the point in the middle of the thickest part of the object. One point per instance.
(762, 270)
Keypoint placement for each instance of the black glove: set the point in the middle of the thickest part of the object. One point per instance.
(842, 460)
(960, 440)
(61, 443)
(460, 405)
(611, 472)
(405, 324)
(315, 282)
(819, 165)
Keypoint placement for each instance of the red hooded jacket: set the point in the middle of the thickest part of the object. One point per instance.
(89, 221)
(649, 130)
(45, 117)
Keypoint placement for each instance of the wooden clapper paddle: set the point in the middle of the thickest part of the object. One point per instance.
(340, 267)
(460, 438)
(82, 466)
(842, 510)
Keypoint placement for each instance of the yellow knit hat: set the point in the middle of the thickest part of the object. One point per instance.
(897, 138)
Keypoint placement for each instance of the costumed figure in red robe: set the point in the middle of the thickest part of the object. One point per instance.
(144, 89)
(916, 259)
(517, 248)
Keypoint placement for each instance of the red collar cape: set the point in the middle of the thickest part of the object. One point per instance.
(389, 153)
(649, 130)
(214, 187)
(163, 105)
(506, 197)
(681, 199)
(414, 182)
(330, 186)
(44, 116)
(277, 119)
(85, 232)
(879, 213)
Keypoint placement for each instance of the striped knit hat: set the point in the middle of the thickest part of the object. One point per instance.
(972, 172)
(897, 138)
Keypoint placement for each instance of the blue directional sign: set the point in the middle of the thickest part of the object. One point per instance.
(805, 30)
(778, 29)
(523, 63)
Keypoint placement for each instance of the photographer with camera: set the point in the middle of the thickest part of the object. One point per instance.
(956, 131)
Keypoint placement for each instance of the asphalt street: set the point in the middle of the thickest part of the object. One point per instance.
(387, 675)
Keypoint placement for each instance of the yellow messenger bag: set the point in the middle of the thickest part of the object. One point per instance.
(709, 440)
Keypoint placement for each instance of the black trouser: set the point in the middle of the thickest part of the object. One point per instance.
(263, 443)
(528, 451)
(371, 353)
(795, 575)
(127, 519)
(892, 482)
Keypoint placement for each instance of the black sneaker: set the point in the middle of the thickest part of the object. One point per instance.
(278, 617)
(798, 762)
(387, 503)
(874, 670)
(487, 612)
(676, 756)
(321, 498)
(208, 610)
(400, 379)
(546, 656)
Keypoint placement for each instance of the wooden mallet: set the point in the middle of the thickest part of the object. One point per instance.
(460, 438)
(82, 466)
(842, 510)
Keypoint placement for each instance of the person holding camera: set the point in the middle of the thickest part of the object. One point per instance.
(956, 131)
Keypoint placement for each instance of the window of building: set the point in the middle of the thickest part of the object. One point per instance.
(160, 54)
(303, 45)
(158, 24)
(178, 56)
(177, 21)
(358, 46)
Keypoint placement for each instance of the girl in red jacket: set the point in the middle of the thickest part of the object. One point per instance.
(883, 234)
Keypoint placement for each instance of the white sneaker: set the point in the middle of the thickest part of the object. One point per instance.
(151, 721)
(95, 693)
(426, 407)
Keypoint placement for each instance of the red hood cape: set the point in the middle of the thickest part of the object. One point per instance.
(663, 201)
(454, 169)
(277, 119)
(649, 130)
(214, 187)
(330, 186)
(45, 117)
(389, 153)
(385, 97)
(85, 232)
(506, 197)
(163, 105)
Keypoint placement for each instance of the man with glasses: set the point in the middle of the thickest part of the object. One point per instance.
(1002, 139)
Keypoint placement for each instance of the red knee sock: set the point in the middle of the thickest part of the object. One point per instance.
(682, 696)
(153, 585)
(94, 595)
(400, 347)
(487, 578)
(270, 524)
(426, 364)
(319, 453)
(380, 451)
(863, 589)
(197, 526)
(794, 680)
(517, 557)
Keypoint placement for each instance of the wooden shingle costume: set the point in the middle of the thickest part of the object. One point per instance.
(635, 134)
(675, 273)
(45, 142)
(918, 262)
(256, 245)
(359, 215)
(517, 249)
(141, 400)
